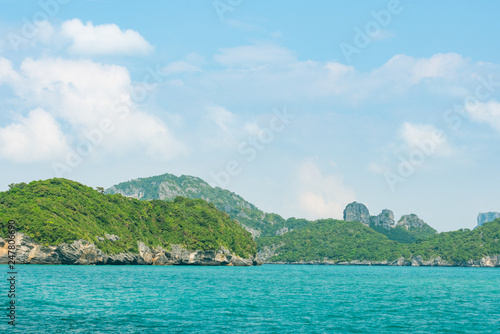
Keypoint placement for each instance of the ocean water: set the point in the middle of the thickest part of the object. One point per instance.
(266, 299)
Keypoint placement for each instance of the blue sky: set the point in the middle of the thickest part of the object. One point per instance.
(298, 107)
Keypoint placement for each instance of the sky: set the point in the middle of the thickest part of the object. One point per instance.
(299, 107)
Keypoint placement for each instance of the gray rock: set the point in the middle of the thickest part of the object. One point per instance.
(268, 251)
(361, 263)
(283, 230)
(255, 233)
(240, 262)
(357, 212)
(486, 217)
(125, 258)
(161, 260)
(416, 261)
(380, 263)
(180, 256)
(490, 261)
(400, 262)
(111, 237)
(45, 255)
(80, 252)
(385, 219)
(84, 253)
(144, 252)
(411, 220)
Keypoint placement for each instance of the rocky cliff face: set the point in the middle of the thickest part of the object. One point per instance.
(411, 220)
(283, 230)
(357, 212)
(384, 219)
(486, 217)
(85, 253)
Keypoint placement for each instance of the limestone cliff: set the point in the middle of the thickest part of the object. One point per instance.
(83, 252)
(385, 219)
(357, 212)
(486, 217)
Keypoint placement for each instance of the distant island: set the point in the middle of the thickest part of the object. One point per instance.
(170, 220)
(486, 217)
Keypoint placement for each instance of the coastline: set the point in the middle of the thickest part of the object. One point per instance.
(82, 252)
(492, 261)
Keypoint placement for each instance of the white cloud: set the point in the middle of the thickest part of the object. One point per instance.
(103, 39)
(252, 129)
(486, 112)
(7, 72)
(425, 137)
(45, 31)
(140, 133)
(322, 196)
(409, 70)
(271, 72)
(84, 94)
(81, 91)
(338, 70)
(180, 66)
(221, 117)
(37, 137)
(254, 55)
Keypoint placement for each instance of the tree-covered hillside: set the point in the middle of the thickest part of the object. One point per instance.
(260, 224)
(334, 240)
(168, 187)
(58, 210)
(406, 235)
(462, 245)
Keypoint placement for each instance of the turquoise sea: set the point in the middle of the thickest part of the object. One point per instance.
(266, 299)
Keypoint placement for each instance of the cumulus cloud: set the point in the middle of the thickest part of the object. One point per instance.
(37, 137)
(7, 72)
(485, 112)
(85, 94)
(424, 137)
(103, 39)
(322, 195)
(80, 91)
(404, 71)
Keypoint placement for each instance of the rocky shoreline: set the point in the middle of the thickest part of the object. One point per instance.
(417, 261)
(82, 252)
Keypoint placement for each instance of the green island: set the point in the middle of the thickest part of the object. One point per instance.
(185, 211)
(59, 211)
(336, 240)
